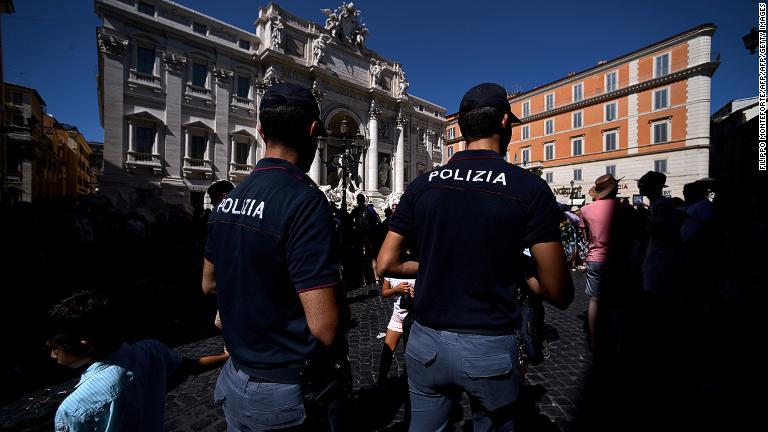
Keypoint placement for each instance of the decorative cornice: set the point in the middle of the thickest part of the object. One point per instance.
(173, 14)
(110, 44)
(222, 75)
(702, 30)
(263, 84)
(373, 110)
(701, 69)
(223, 33)
(174, 62)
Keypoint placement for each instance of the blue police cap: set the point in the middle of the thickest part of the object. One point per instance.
(487, 95)
(293, 95)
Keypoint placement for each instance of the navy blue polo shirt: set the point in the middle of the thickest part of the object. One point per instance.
(469, 222)
(269, 240)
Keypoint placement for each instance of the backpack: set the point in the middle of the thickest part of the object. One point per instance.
(362, 222)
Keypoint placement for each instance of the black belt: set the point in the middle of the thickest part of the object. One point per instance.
(290, 374)
(475, 331)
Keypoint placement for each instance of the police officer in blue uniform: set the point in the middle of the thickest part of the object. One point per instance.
(269, 258)
(469, 222)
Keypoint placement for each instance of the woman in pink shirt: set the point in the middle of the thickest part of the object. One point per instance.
(598, 224)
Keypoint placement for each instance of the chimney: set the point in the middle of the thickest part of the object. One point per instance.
(602, 62)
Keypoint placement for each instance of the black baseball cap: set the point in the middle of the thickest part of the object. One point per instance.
(288, 94)
(487, 95)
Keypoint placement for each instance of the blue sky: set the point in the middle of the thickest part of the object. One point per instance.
(445, 46)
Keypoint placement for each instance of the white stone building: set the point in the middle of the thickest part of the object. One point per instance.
(179, 93)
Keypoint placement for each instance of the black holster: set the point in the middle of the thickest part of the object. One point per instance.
(327, 382)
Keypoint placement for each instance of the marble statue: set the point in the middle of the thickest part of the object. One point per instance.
(375, 71)
(402, 85)
(277, 32)
(318, 48)
(344, 24)
(384, 171)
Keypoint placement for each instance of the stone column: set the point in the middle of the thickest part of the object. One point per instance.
(130, 136)
(155, 141)
(399, 182)
(186, 143)
(252, 153)
(114, 52)
(440, 145)
(373, 149)
(314, 170)
(210, 138)
(429, 135)
(364, 173)
(232, 145)
(175, 147)
(222, 92)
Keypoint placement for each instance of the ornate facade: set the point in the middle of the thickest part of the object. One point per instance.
(179, 94)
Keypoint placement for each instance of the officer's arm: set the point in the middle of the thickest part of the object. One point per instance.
(209, 282)
(554, 280)
(388, 262)
(322, 313)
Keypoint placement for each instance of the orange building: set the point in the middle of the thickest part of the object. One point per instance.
(31, 167)
(646, 110)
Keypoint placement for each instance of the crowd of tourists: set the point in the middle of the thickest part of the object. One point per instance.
(468, 264)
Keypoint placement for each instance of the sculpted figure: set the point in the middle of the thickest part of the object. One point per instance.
(383, 171)
(277, 32)
(318, 48)
(375, 72)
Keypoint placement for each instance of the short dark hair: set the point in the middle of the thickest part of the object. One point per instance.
(480, 123)
(286, 124)
(85, 315)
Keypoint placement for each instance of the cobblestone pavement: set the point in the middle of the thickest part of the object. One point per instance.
(553, 392)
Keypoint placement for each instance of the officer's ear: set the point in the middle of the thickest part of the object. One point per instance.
(313, 128)
(261, 133)
(505, 121)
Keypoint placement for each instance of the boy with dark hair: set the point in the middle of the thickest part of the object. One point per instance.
(123, 386)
